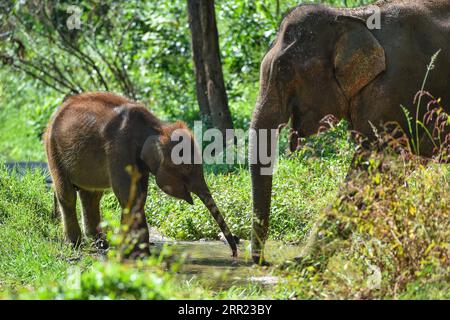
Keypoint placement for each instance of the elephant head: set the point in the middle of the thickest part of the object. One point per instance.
(181, 178)
(319, 61)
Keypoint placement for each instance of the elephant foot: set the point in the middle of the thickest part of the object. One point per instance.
(101, 244)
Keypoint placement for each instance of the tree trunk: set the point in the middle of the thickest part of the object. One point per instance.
(211, 94)
(197, 48)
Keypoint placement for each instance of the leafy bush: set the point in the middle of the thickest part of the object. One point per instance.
(385, 237)
(25, 108)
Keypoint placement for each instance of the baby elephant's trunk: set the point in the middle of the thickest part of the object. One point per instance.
(212, 207)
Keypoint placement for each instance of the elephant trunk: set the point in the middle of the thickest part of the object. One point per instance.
(270, 114)
(267, 121)
(261, 193)
(207, 199)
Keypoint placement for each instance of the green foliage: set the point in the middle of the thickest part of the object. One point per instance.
(151, 279)
(25, 107)
(385, 237)
(155, 48)
(142, 49)
(33, 234)
(32, 247)
(392, 218)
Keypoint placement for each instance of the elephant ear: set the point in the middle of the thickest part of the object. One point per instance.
(152, 153)
(359, 58)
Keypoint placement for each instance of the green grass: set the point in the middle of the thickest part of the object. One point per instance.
(304, 184)
(150, 279)
(31, 247)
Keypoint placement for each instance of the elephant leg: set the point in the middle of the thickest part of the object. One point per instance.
(67, 199)
(428, 147)
(141, 220)
(294, 135)
(90, 202)
(56, 212)
(294, 141)
(136, 234)
(139, 206)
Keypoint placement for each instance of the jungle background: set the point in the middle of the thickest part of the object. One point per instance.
(384, 234)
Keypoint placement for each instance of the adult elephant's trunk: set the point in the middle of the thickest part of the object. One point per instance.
(266, 122)
(261, 192)
(270, 113)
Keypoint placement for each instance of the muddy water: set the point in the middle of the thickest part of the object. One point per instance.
(210, 262)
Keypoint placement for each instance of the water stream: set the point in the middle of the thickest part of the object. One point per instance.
(210, 262)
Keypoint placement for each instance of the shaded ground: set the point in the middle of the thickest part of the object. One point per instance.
(23, 166)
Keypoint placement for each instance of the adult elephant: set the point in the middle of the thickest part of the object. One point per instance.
(326, 61)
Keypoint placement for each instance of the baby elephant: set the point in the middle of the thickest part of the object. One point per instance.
(91, 141)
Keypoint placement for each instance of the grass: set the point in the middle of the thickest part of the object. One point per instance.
(390, 222)
(31, 243)
(20, 139)
(303, 184)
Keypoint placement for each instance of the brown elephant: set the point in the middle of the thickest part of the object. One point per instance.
(91, 141)
(326, 61)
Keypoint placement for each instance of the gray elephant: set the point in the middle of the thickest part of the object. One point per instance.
(326, 61)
